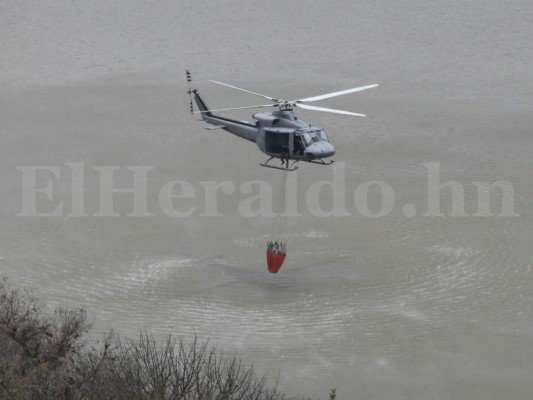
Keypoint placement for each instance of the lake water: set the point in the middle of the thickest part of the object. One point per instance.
(408, 305)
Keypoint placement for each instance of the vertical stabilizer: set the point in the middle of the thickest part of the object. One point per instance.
(202, 107)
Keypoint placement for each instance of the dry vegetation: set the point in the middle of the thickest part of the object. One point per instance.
(43, 355)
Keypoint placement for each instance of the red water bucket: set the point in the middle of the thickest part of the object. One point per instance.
(275, 260)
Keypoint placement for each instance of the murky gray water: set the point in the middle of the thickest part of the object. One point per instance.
(394, 307)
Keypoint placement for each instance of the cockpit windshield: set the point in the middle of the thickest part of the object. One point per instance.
(311, 136)
(322, 134)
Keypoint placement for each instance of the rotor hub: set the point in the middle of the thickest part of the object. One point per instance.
(285, 106)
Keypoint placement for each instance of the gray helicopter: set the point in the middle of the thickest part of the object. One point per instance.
(278, 134)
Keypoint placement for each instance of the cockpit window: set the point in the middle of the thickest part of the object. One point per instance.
(322, 135)
(310, 137)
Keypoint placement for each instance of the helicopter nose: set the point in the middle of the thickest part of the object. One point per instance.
(321, 150)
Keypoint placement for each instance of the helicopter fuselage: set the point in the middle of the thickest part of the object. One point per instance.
(279, 134)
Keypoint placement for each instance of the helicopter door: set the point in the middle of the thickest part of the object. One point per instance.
(298, 144)
(276, 141)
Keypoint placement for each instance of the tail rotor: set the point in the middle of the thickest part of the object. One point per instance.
(189, 80)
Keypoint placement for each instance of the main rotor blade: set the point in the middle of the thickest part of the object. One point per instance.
(339, 93)
(331, 110)
(244, 90)
(234, 108)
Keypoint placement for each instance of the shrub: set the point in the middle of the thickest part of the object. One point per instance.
(43, 356)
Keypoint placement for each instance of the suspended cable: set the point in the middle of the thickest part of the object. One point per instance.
(276, 248)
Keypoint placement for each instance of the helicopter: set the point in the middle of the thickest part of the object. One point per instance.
(279, 134)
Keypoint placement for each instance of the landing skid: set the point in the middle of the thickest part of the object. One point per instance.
(287, 165)
(320, 162)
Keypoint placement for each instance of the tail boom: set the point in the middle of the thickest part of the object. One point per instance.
(242, 129)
